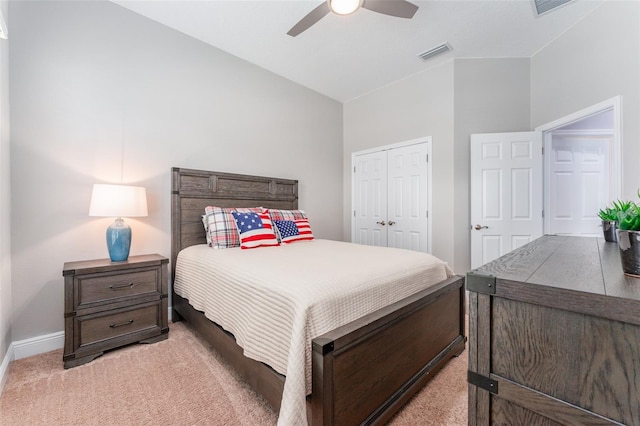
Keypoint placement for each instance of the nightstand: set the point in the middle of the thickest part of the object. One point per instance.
(111, 304)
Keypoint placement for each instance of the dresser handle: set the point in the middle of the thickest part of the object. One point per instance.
(121, 324)
(120, 287)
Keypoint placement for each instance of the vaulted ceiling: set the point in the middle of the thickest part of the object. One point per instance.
(344, 57)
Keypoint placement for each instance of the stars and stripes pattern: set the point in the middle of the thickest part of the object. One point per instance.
(255, 229)
(294, 230)
(292, 215)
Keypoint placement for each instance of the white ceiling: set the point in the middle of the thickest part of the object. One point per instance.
(344, 57)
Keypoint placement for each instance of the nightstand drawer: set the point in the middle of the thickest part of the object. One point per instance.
(108, 287)
(118, 325)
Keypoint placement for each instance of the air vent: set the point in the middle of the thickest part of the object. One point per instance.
(544, 6)
(444, 47)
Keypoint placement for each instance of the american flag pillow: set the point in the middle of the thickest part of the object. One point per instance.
(221, 226)
(255, 230)
(294, 230)
(286, 215)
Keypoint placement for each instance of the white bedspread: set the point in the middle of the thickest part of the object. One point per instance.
(275, 300)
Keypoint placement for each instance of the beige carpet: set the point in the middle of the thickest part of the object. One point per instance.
(178, 381)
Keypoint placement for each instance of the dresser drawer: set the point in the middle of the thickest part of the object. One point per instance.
(94, 289)
(119, 326)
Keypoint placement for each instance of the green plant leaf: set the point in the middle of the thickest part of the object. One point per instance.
(629, 219)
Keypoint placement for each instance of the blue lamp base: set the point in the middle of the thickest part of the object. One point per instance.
(119, 240)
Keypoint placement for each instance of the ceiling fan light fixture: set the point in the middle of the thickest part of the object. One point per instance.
(398, 8)
(344, 7)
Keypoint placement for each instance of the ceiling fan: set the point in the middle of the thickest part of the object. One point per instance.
(398, 8)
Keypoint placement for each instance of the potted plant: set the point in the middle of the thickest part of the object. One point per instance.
(609, 217)
(629, 238)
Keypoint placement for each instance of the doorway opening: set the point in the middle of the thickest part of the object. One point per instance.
(582, 172)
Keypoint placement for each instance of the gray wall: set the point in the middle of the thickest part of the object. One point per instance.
(490, 95)
(5, 195)
(595, 60)
(419, 106)
(95, 86)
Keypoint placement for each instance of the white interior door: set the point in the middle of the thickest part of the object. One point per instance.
(506, 193)
(579, 184)
(370, 199)
(408, 182)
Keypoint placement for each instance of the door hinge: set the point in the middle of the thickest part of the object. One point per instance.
(482, 382)
(427, 213)
(354, 213)
(354, 169)
(427, 158)
(543, 214)
(543, 150)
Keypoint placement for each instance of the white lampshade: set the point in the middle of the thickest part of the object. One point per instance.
(118, 201)
(344, 7)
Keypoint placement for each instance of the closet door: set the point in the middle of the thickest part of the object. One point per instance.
(370, 188)
(391, 197)
(407, 197)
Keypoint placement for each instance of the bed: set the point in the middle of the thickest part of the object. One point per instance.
(361, 372)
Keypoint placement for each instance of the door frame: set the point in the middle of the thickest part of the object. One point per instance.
(425, 139)
(614, 104)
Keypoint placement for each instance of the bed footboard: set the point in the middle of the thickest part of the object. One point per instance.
(365, 371)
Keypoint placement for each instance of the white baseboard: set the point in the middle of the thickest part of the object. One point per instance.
(38, 345)
(28, 347)
(4, 367)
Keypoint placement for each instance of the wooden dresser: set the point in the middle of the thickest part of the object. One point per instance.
(111, 304)
(554, 336)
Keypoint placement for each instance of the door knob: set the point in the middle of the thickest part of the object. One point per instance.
(478, 227)
(391, 222)
(382, 222)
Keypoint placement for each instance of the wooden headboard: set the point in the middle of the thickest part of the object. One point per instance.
(193, 190)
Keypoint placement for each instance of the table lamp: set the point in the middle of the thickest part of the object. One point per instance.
(118, 201)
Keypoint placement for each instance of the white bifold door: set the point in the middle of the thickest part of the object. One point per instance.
(391, 196)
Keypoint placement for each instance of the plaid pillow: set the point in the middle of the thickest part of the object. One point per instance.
(291, 231)
(255, 230)
(285, 215)
(222, 231)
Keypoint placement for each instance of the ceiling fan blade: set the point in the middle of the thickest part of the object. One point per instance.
(312, 17)
(398, 8)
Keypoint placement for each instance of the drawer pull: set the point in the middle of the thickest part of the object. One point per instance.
(121, 324)
(120, 286)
